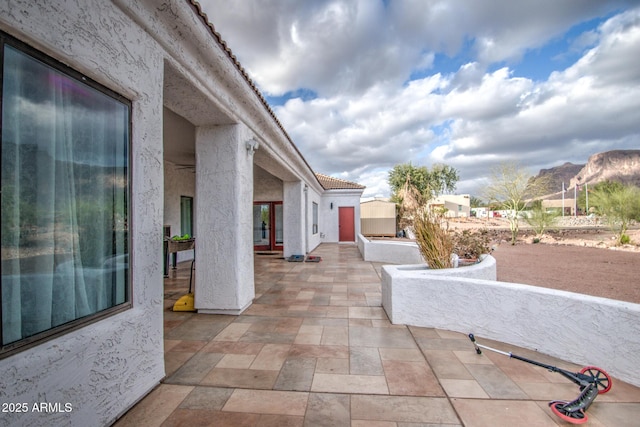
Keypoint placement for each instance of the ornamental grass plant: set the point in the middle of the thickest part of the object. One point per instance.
(434, 240)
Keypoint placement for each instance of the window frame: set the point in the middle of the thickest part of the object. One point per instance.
(314, 218)
(183, 221)
(10, 349)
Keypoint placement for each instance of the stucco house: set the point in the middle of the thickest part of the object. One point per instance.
(456, 205)
(340, 209)
(123, 121)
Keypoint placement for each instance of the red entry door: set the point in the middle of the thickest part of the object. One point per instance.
(346, 225)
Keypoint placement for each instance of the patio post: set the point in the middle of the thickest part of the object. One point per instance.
(294, 218)
(224, 222)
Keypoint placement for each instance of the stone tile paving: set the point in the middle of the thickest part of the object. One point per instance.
(316, 349)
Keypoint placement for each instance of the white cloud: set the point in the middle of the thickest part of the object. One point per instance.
(497, 94)
(368, 116)
(335, 46)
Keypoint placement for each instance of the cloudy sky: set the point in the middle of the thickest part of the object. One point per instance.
(362, 85)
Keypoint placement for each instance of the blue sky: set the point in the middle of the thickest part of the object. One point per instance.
(362, 85)
(559, 52)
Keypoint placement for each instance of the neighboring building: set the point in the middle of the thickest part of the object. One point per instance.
(568, 205)
(457, 206)
(378, 218)
(124, 121)
(340, 209)
(480, 212)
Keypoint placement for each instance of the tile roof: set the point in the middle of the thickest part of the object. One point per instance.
(330, 183)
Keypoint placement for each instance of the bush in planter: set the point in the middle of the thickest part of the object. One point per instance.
(434, 241)
(470, 244)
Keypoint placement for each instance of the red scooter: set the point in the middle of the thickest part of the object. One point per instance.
(591, 380)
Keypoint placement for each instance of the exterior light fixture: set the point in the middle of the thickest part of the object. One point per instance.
(252, 145)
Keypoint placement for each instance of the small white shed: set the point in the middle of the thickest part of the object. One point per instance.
(378, 218)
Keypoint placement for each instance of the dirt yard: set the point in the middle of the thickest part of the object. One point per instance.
(579, 257)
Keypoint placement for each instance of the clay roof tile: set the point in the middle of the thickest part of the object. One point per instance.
(331, 183)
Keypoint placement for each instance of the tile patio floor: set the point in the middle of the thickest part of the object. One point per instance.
(316, 349)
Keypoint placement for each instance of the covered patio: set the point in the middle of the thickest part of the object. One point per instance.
(316, 348)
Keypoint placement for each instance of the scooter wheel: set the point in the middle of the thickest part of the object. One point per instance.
(577, 417)
(601, 378)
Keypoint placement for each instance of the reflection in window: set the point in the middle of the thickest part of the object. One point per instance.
(64, 212)
(261, 227)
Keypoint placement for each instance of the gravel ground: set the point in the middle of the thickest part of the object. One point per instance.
(579, 256)
(593, 271)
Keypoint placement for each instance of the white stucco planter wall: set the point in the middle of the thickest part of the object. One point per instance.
(578, 328)
(392, 252)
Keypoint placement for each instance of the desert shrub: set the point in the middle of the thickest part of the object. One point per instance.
(618, 204)
(541, 219)
(625, 239)
(471, 244)
(434, 241)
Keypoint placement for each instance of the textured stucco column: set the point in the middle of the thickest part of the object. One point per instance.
(294, 218)
(224, 245)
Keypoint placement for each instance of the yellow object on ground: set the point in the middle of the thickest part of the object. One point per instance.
(185, 303)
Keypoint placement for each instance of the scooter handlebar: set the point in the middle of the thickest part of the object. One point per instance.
(473, 340)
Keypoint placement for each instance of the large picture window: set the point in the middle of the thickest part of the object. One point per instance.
(65, 198)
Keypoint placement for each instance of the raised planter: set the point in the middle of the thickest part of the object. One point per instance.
(389, 251)
(578, 328)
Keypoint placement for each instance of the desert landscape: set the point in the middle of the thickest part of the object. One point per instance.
(579, 255)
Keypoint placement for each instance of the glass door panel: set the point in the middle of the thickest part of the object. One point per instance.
(261, 226)
(268, 226)
(279, 225)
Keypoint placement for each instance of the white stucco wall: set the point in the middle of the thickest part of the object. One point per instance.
(577, 328)
(313, 240)
(105, 367)
(339, 198)
(266, 187)
(387, 251)
(294, 211)
(178, 182)
(297, 210)
(224, 276)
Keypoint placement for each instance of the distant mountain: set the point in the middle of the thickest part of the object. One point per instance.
(617, 165)
(559, 174)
